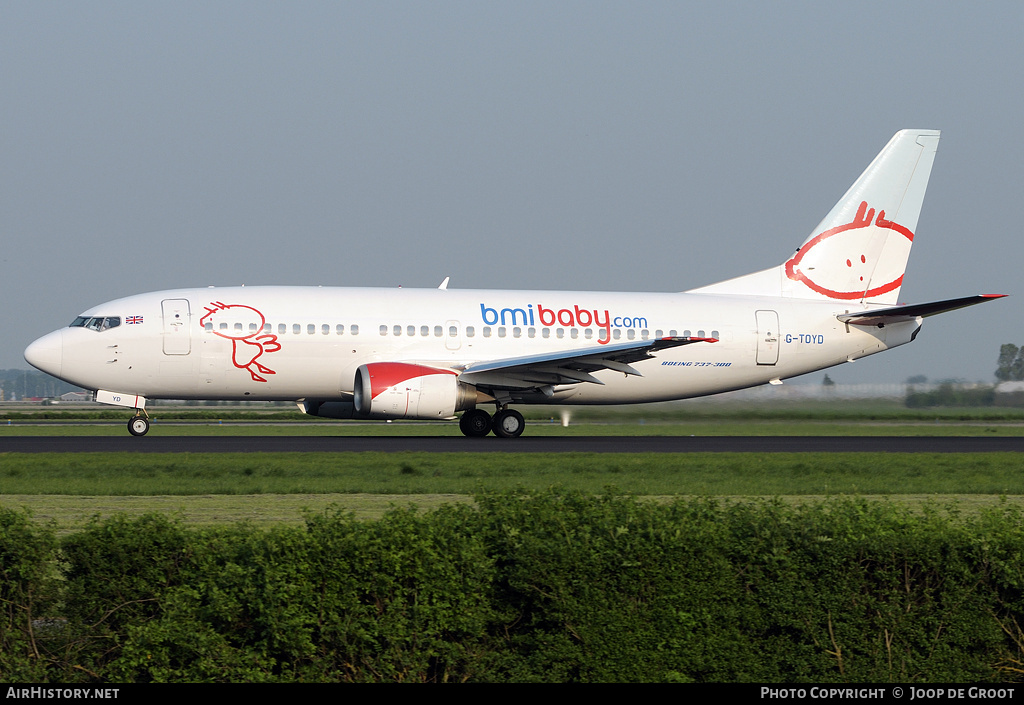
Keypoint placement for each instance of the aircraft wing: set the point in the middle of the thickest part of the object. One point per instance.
(567, 367)
(897, 314)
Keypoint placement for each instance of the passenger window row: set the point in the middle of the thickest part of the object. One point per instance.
(424, 331)
(295, 328)
(101, 323)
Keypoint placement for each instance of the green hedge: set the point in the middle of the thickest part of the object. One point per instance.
(28, 590)
(548, 586)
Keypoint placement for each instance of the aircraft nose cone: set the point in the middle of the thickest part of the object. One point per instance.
(47, 353)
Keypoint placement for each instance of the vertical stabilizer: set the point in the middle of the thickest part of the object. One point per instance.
(859, 251)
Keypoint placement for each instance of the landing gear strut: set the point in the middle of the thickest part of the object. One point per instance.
(139, 424)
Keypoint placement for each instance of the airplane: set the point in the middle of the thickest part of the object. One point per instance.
(373, 353)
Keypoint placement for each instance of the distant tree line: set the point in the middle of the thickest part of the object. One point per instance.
(1011, 363)
(19, 384)
(1009, 368)
(951, 394)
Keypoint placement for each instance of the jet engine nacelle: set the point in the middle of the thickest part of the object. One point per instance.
(400, 390)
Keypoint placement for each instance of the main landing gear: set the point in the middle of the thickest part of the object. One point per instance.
(139, 424)
(507, 423)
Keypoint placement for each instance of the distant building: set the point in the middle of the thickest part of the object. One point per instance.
(1010, 394)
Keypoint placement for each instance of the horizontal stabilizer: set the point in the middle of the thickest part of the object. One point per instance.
(896, 314)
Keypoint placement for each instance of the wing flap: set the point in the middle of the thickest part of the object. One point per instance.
(568, 366)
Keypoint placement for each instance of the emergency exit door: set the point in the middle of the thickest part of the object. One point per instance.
(767, 337)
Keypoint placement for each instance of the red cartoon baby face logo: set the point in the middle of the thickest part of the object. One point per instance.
(243, 326)
(863, 258)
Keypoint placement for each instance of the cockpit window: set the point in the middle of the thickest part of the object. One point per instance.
(97, 323)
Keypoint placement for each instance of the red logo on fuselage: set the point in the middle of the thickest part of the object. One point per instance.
(248, 341)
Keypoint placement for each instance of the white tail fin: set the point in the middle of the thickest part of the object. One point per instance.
(859, 251)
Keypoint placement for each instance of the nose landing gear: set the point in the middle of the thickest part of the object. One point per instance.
(139, 424)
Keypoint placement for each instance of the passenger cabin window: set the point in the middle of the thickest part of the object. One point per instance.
(296, 328)
(383, 330)
(410, 330)
(325, 329)
(311, 329)
(438, 331)
(425, 331)
(340, 329)
(470, 331)
(354, 329)
(397, 330)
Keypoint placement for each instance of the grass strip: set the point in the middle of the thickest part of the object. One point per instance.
(71, 513)
(710, 474)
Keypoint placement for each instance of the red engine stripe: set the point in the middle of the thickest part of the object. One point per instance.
(384, 375)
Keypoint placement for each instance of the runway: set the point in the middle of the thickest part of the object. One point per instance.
(544, 444)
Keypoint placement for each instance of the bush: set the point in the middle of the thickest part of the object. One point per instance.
(28, 593)
(117, 572)
(406, 598)
(548, 586)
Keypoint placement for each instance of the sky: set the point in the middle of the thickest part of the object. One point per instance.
(596, 146)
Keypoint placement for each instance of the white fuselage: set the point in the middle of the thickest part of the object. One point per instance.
(430, 353)
(306, 343)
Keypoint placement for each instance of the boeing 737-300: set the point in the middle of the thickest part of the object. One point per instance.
(353, 353)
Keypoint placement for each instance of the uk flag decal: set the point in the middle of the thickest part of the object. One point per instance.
(133, 319)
